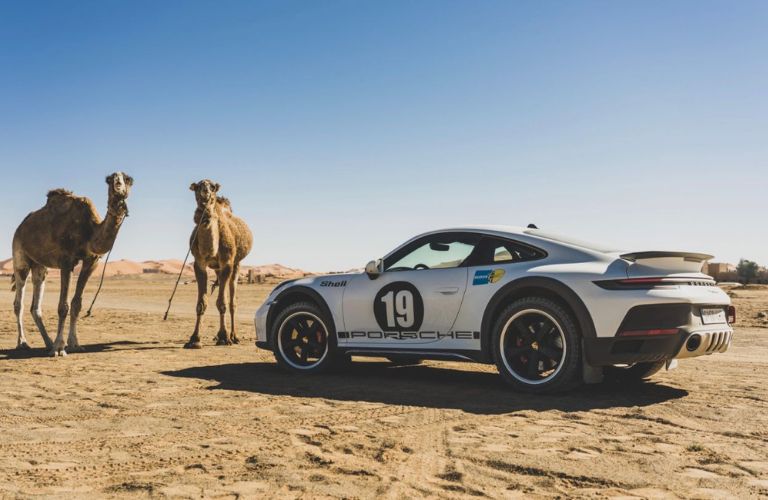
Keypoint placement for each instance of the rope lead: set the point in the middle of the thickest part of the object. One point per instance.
(170, 300)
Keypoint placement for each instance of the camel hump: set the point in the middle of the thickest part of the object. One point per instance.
(55, 194)
(63, 200)
(224, 202)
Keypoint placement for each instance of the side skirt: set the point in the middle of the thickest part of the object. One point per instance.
(469, 356)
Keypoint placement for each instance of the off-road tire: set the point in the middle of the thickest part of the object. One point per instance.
(518, 346)
(323, 345)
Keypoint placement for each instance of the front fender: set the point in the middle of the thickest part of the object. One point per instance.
(294, 294)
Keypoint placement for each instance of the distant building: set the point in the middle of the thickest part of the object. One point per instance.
(721, 271)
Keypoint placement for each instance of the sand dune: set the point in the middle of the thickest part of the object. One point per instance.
(125, 267)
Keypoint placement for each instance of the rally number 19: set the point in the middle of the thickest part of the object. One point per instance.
(399, 308)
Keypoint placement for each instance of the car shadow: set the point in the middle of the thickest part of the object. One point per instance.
(123, 345)
(424, 386)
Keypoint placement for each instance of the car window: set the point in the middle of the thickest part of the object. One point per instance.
(434, 252)
(499, 251)
(502, 254)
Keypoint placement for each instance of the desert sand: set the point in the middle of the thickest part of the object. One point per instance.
(136, 415)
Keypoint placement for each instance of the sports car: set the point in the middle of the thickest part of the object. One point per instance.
(549, 311)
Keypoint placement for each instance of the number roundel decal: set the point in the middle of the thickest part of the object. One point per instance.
(398, 307)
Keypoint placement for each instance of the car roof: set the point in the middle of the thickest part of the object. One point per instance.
(483, 228)
(532, 236)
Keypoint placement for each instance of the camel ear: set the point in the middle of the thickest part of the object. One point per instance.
(128, 180)
(109, 178)
(216, 187)
(193, 186)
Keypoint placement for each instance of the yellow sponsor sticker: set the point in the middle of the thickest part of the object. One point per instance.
(496, 275)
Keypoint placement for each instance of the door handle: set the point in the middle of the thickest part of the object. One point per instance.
(448, 290)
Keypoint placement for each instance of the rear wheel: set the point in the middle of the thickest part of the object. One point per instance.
(303, 341)
(633, 373)
(537, 346)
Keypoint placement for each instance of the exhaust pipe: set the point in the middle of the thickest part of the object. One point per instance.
(693, 342)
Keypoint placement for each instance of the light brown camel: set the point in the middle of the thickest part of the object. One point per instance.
(65, 231)
(219, 241)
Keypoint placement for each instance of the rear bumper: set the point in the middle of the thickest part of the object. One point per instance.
(642, 336)
(641, 349)
(618, 350)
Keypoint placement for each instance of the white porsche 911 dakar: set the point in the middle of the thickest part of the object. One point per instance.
(550, 312)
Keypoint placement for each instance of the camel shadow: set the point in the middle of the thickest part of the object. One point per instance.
(121, 345)
(127, 345)
(424, 386)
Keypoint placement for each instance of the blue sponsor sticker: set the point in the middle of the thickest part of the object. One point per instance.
(486, 276)
(482, 277)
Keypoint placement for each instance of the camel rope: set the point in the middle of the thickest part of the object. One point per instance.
(170, 300)
(101, 282)
(104, 270)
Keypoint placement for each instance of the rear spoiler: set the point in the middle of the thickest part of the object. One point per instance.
(687, 256)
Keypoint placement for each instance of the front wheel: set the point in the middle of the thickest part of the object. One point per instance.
(303, 340)
(536, 346)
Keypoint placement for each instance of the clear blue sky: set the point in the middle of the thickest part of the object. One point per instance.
(340, 128)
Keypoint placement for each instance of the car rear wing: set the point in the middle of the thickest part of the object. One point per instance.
(654, 264)
(687, 256)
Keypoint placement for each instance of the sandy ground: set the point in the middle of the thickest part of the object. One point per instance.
(137, 415)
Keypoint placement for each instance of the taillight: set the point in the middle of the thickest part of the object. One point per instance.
(655, 331)
(630, 281)
(649, 283)
(731, 314)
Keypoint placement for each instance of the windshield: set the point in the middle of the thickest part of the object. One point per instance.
(437, 251)
(571, 241)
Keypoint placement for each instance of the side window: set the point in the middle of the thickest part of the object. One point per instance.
(503, 254)
(500, 251)
(440, 251)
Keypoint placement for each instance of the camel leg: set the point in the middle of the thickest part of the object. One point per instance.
(201, 275)
(58, 344)
(233, 302)
(20, 279)
(224, 276)
(73, 345)
(38, 283)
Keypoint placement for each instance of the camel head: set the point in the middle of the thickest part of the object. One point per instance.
(119, 188)
(205, 194)
(205, 191)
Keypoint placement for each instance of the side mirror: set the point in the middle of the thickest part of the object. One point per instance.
(373, 269)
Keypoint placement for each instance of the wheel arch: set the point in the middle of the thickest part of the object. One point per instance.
(536, 286)
(293, 295)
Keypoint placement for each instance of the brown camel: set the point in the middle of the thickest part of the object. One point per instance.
(65, 231)
(219, 241)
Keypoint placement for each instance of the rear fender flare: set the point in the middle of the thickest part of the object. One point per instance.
(526, 287)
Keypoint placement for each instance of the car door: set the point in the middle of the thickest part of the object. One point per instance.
(415, 300)
(495, 263)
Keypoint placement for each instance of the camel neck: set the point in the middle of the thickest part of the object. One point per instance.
(106, 232)
(208, 234)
